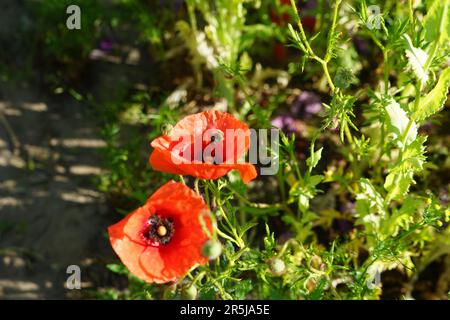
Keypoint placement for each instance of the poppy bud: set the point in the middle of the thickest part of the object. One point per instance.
(344, 78)
(277, 266)
(189, 292)
(212, 249)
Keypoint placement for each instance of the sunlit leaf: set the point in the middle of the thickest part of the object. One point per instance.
(435, 99)
(398, 123)
(437, 21)
(417, 59)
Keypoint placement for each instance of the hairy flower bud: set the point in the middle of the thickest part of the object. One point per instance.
(212, 249)
(189, 292)
(277, 266)
(344, 78)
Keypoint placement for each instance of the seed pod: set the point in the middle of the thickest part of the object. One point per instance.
(344, 78)
(189, 292)
(277, 266)
(212, 249)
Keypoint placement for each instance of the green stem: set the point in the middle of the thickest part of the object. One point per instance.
(328, 55)
(237, 240)
(386, 71)
(411, 15)
(197, 190)
(348, 135)
(222, 291)
(327, 75)
(431, 55)
(308, 48)
(198, 277)
(302, 31)
(411, 120)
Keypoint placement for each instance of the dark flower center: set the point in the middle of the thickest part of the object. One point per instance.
(158, 231)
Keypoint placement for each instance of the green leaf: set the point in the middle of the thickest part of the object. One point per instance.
(242, 289)
(117, 268)
(398, 122)
(315, 180)
(397, 184)
(400, 176)
(370, 194)
(417, 59)
(296, 38)
(269, 240)
(245, 62)
(437, 21)
(435, 99)
(247, 226)
(303, 202)
(314, 158)
(413, 156)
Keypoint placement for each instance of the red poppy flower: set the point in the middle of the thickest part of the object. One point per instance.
(205, 145)
(160, 241)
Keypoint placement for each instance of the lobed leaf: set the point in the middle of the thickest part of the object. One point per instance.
(398, 123)
(437, 21)
(435, 99)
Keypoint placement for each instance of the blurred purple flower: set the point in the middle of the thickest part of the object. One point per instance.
(428, 127)
(105, 45)
(285, 236)
(342, 225)
(362, 46)
(444, 197)
(348, 207)
(175, 4)
(286, 123)
(307, 104)
(308, 4)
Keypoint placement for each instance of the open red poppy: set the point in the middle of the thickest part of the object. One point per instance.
(205, 145)
(160, 241)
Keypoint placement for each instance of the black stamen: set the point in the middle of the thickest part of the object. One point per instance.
(154, 234)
